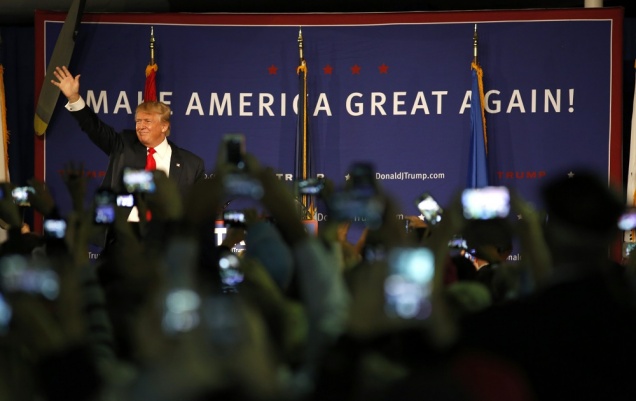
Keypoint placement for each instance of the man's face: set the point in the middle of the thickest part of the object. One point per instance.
(151, 131)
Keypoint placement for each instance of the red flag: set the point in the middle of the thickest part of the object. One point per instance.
(150, 89)
(4, 132)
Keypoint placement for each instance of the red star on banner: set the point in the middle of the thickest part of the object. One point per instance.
(355, 69)
(327, 69)
(272, 69)
(384, 69)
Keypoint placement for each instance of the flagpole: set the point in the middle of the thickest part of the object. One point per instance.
(150, 88)
(480, 74)
(302, 168)
(152, 45)
(630, 236)
(475, 42)
(4, 131)
(302, 109)
(478, 162)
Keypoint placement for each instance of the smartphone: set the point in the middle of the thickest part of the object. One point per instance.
(408, 285)
(242, 185)
(138, 180)
(374, 253)
(356, 205)
(429, 208)
(457, 243)
(54, 228)
(125, 200)
(359, 200)
(19, 274)
(224, 320)
(234, 150)
(310, 186)
(362, 178)
(6, 313)
(21, 195)
(234, 218)
(105, 204)
(230, 272)
(457, 246)
(627, 220)
(182, 302)
(486, 203)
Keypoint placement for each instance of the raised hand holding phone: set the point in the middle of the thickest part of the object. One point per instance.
(429, 208)
(486, 203)
(105, 202)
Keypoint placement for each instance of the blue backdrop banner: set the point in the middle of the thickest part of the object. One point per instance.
(392, 89)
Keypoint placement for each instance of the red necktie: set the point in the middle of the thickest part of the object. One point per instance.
(150, 160)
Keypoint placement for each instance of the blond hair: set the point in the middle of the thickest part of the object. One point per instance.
(162, 109)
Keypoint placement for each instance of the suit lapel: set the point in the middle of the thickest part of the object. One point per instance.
(139, 158)
(176, 164)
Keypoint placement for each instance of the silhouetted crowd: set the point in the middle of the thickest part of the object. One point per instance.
(438, 310)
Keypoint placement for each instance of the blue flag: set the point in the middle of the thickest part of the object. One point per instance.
(478, 162)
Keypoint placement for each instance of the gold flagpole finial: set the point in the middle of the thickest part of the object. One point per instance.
(300, 44)
(152, 45)
(475, 42)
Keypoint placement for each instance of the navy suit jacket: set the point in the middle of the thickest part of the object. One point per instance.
(125, 150)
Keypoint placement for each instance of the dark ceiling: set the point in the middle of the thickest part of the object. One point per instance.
(22, 11)
(371, 6)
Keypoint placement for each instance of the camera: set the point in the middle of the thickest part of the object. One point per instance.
(310, 186)
(486, 203)
(18, 274)
(21, 195)
(138, 180)
(54, 228)
(234, 218)
(429, 208)
(105, 204)
(408, 285)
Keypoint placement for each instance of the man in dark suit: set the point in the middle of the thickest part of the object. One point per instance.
(131, 148)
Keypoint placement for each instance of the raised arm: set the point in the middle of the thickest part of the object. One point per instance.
(100, 133)
(68, 84)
